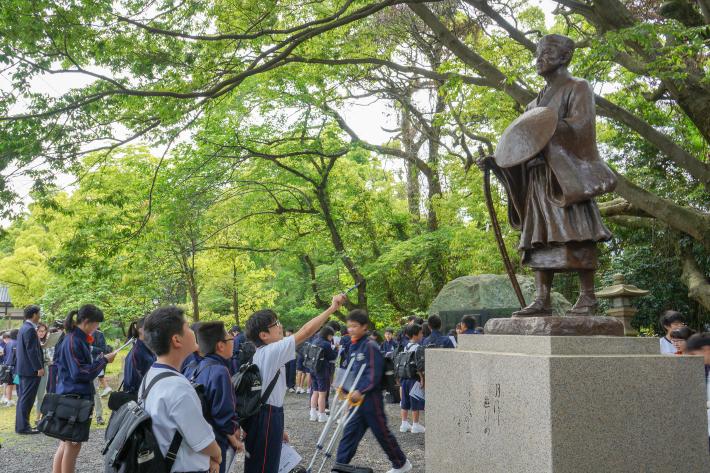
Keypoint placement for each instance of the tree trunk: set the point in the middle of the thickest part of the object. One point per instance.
(412, 173)
(320, 303)
(324, 203)
(235, 293)
(693, 277)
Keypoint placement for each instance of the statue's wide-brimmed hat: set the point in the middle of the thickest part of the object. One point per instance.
(526, 136)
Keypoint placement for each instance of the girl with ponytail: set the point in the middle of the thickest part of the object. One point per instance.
(76, 371)
(139, 359)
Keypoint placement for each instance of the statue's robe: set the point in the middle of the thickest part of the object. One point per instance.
(551, 197)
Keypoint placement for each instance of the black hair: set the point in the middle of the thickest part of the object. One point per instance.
(87, 312)
(259, 322)
(160, 327)
(133, 328)
(326, 332)
(426, 330)
(682, 333)
(390, 330)
(671, 316)
(434, 322)
(334, 325)
(6, 335)
(469, 321)
(209, 334)
(418, 320)
(31, 310)
(13, 333)
(412, 330)
(235, 329)
(46, 330)
(359, 316)
(411, 318)
(697, 341)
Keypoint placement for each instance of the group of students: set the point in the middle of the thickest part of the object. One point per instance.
(165, 343)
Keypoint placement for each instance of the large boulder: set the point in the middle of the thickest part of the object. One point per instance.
(489, 293)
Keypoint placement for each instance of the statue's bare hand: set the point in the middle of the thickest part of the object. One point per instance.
(483, 162)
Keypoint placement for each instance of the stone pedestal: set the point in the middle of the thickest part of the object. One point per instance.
(567, 325)
(514, 404)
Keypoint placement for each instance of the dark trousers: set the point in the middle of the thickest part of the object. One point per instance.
(291, 374)
(264, 438)
(27, 393)
(223, 445)
(52, 378)
(370, 415)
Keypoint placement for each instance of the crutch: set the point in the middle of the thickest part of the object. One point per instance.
(336, 412)
(341, 426)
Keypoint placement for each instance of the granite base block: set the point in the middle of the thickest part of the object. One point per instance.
(565, 326)
(549, 406)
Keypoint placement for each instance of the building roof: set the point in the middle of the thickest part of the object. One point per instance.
(5, 296)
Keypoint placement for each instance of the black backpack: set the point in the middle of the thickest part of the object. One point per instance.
(313, 357)
(130, 444)
(389, 381)
(408, 363)
(247, 390)
(246, 352)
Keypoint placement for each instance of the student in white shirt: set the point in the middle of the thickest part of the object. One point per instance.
(670, 320)
(172, 403)
(265, 431)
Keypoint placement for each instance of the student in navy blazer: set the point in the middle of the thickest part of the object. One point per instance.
(77, 370)
(29, 367)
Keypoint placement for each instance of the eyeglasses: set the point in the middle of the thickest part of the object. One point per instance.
(275, 324)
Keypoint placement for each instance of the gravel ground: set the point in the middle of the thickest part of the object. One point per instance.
(33, 454)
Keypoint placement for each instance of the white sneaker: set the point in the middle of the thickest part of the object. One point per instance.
(404, 469)
(405, 427)
(300, 391)
(418, 428)
(11, 403)
(322, 417)
(291, 390)
(314, 415)
(106, 390)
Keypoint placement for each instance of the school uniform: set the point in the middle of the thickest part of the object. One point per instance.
(190, 364)
(320, 380)
(213, 373)
(53, 368)
(371, 413)
(76, 369)
(408, 402)
(238, 340)
(265, 430)
(9, 356)
(344, 350)
(438, 340)
(29, 360)
(173, 405)
(291, 374)
(667, 347)
(138, 362)
(388, 346)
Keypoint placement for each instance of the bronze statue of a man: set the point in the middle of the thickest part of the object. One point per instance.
(551, 196)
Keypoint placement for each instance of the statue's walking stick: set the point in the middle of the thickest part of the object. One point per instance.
(499, 237)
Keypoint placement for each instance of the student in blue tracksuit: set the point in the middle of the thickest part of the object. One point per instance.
(265, 431)
(139, 359)
(437, 339)
(371, 413)
(213, 373)
(468, 323)
(320, 379)
(77, 370)
(408, 402)
(30, 369)
(190, 364)
(389, 344)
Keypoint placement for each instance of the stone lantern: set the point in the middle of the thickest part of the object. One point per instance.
(620, 295)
